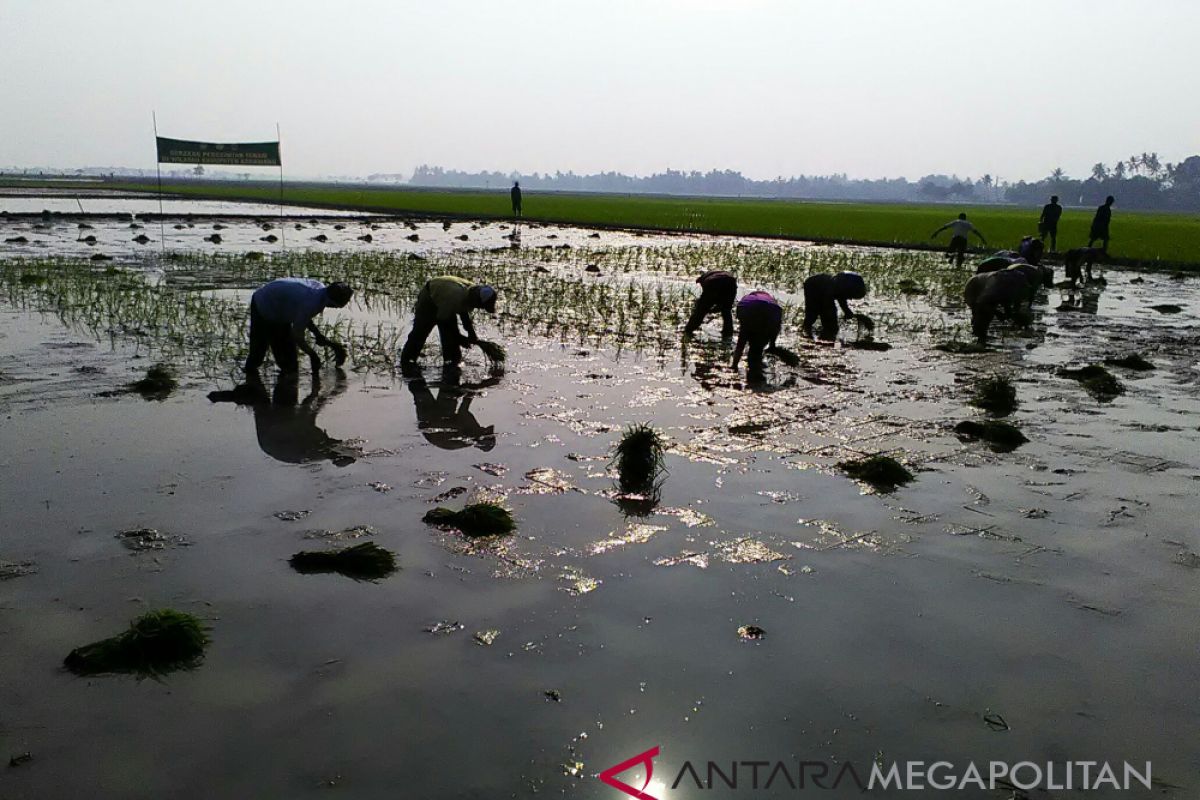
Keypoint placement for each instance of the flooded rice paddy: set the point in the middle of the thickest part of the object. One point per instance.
(1038, 604)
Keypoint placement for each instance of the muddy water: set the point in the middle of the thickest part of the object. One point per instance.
(1050, 587)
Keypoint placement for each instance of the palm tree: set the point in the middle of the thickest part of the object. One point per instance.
(1153, 165)
(1134, 164)
(1119, 171)
(1058, 175)
(1099, 171)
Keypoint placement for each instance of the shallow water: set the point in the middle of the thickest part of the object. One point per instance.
(1045, 586)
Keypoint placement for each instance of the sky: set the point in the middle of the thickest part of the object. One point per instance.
(871, 88)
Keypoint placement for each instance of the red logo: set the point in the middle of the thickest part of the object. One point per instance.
(608, 776)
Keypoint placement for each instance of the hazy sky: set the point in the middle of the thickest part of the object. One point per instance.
(883, 88)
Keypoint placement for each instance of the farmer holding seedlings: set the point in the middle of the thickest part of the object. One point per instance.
(718, 292)
(760, 318)
(823, 293)
(959, 230)
(281, 311)
(440, 301)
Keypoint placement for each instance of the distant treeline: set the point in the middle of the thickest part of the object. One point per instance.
(1141, 182)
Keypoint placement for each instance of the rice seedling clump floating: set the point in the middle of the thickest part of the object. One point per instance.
(1099, 382)
(476, 519)
(1001, 436)
(362, 562)
(884, 473)
(158, 384)
(995, 394)
(156, 643)
(639, 458)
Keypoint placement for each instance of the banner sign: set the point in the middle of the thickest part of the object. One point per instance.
(243, 154)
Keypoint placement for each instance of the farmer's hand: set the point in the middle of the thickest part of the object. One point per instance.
(339, 353)
(315, 361)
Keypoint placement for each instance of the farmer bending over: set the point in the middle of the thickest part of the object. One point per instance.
(440, 301)
(718, 291)
(1075, 261)
(823, 293)
(760, 318)
(959, 230)
(281, 311)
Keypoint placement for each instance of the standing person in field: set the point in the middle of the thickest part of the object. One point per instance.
(1100, 222)
(718, 292)
(760, 318)
(1048, 222)
(823, 293)
(515, 194)
(281, 311)
(441, 300)
(959, 230)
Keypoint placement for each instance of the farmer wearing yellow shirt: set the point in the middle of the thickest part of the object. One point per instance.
(440, 301)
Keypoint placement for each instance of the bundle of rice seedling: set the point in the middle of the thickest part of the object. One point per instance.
(960, 347)
(995, 394)
(476, 519)
(158, 383)
(1001, 436)
(156, 643)
(864, 322)
(788, 357)
(1134, 361)
(882, 472)
(639, 457)
(1099, 382)
(494, 353)
(362, 562)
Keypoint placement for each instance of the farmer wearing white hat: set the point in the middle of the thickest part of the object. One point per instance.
(440, 301)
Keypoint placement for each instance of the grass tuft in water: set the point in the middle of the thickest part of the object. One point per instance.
(882, 472)
(1099, 382)
(363, 562)
(156, 643)
(476, 519)
(1001, 436)
(995, 394)
(640, 458)
(158, 383)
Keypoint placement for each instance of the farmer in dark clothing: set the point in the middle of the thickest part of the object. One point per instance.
(442, 300)
(281, 311)
(515, 194)
(760, 318)
(1075, 261)
(718, 292)
(1100, 224)
(1048, 223)
(823, 293)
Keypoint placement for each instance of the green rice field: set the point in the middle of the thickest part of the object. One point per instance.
(1138, 237)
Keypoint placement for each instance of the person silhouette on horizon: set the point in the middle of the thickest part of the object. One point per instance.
(515, 194)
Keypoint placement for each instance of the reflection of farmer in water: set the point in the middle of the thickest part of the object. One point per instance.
(287, 426)
(444, 420)
(959, 230)
(281, 311)
(718, 292)
(823, 293)
(439, 303)
(515, 194)
(760, 318)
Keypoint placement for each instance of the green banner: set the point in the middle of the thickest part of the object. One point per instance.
(240, 154)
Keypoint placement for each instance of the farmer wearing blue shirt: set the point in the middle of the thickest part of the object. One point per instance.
(281, 311)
